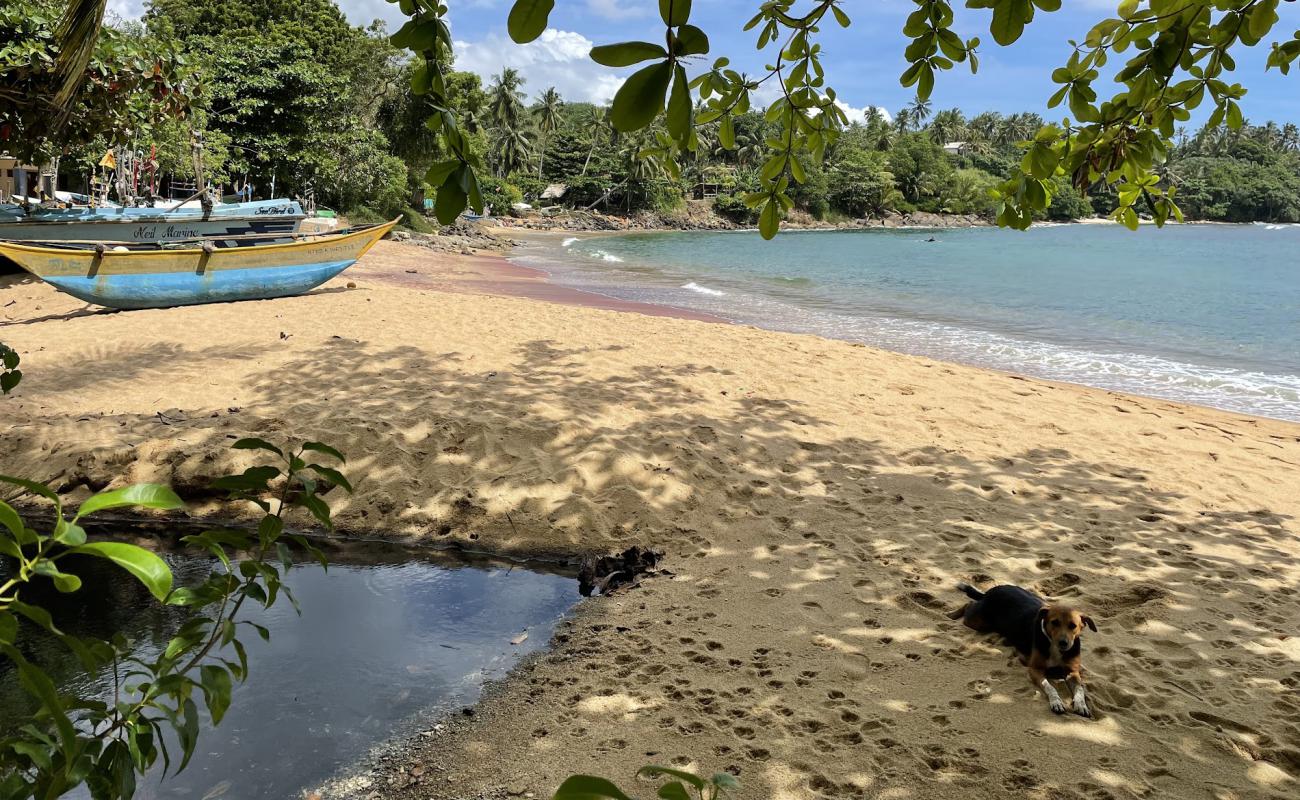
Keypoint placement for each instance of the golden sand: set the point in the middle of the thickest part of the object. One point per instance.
(817, 501)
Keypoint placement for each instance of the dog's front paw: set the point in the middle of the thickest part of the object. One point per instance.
(1057, 706)
(1081, 708)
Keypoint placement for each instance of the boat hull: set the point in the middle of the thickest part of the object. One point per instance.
(177, 277)
(146, 225)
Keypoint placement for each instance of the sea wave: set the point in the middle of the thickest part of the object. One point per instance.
(603, 256)
(695, 287)
(569, 241)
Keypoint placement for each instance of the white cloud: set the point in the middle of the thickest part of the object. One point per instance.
(125, 9)
(617, 9)
(860, 114)
(558, 58)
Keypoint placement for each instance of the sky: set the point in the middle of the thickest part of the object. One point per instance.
(862, 63)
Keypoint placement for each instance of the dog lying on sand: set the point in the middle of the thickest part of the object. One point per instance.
(1048, 637)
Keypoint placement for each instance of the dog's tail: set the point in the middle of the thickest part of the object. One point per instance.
(971, 591)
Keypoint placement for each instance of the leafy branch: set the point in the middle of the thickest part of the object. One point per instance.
(105, 744)
(1182, 50)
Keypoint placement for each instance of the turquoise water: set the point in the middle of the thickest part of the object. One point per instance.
(1208, 314)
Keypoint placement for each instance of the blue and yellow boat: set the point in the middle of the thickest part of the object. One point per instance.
(187, 273)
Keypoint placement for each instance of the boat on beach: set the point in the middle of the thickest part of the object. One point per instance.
(165, 274)
(178, 222)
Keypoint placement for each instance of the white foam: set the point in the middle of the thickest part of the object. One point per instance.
(603, 256)
(695, 287)
(569, 241)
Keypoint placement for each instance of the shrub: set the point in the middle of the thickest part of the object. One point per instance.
(967, 193)
(733, 207)
(499, 196)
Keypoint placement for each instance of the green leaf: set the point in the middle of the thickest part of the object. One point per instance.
(679, 106)
(675, 12)
(147, 567)
(653, 771)
(451, 199)
(254, 443)
(39, 685)
(34, 487)
(588, 787)
(691, 41)
(216, 684)
(625, 54)
(769, 222)
(332, 475)
(1008, 21)
(139, 495)
(62, 581)
(10, 519)
(438, 173)
(8, 627)
(69, 533)
(727, 133)
(641, 97)
(673, 791)
(528, 19)
(252, 479)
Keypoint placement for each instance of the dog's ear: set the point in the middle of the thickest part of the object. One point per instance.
(1040, 617)
(1087, 620)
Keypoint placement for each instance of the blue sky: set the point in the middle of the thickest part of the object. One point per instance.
(862, 63)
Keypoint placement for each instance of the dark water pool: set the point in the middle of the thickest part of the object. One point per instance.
(380, 647)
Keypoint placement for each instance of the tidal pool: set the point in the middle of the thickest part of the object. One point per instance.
(380, 648)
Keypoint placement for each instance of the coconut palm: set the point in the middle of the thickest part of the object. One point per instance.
(600, 129)
(506, 99)
(1290, 138)
(547, 113)
(919, 111)
(511, 151)
(77, 32)
(903, 120)
(948, 125)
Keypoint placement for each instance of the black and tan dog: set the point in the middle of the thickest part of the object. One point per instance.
(1048, 637)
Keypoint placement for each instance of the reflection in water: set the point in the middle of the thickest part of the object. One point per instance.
(376, 644)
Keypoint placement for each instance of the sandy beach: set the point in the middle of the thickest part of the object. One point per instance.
(816, 501)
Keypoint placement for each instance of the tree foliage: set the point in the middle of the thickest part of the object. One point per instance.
(127, 82)
(1177, 54)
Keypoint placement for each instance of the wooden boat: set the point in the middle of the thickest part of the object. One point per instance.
(169, 274)
(180, 222)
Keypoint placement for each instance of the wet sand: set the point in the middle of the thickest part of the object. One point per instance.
(816, 501)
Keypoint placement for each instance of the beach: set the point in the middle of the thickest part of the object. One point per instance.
(816, 501)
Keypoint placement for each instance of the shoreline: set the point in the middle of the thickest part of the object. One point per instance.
(816, 500)
(589, 299)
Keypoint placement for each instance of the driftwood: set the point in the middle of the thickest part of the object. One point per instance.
(606, 574)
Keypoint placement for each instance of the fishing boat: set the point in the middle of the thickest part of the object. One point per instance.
(165, 274)
(219, 222)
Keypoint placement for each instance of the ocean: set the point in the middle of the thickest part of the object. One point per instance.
(1206, 314)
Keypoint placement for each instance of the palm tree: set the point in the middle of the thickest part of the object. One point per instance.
(903, 120)
(948, 125)
(1290, 138)
(919, 111)
(77, 33)
(511, 151)
(505, 99)
(599, 128)
(548, 119)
